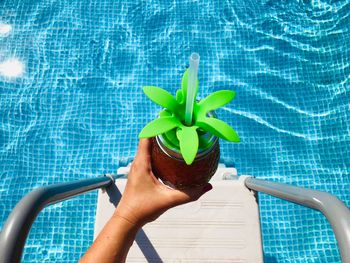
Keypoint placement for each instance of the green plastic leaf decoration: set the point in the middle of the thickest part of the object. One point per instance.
(165, 113)
(216, 100)
(159, 126)
(171, 119)
(188, 138)
(179, 96)
(161, 97)
(184, 87)
(219, 128)
(172, 138)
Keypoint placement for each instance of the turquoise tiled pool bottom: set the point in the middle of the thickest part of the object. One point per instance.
(74, 105)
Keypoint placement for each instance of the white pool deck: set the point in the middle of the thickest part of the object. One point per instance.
(222, 226)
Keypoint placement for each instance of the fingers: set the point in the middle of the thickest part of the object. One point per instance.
(187, 195)
(143, 156)
(144, 150)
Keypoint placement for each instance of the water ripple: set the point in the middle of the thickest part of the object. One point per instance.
(272, 99)
(297, 30)
(309, 137)
(78, 108)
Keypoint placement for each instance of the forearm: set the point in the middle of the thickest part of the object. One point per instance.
(113, 243)
(144, 199)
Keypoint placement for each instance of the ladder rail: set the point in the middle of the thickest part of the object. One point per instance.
(16, 229)
(336, 212)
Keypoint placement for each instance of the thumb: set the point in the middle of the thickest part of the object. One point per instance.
(189, 194)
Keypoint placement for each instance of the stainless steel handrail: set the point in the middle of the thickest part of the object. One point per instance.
(337, 213)
(14, 234)
(17, 226)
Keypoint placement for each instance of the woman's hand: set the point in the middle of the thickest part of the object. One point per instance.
(145, 198)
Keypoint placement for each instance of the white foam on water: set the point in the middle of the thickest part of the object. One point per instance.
(12, 68)
(5, 29)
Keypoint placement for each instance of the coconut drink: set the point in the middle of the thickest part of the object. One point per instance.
(185, 136)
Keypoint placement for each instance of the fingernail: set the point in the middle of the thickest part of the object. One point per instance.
(207, 188)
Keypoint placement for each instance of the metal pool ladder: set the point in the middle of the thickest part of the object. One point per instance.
(15, 231)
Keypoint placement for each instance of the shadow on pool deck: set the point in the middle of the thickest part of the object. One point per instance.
(142, 240)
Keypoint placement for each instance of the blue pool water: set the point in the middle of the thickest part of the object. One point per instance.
(75, 107)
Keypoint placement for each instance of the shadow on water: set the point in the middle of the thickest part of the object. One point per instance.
(270, 259)
(145, 245)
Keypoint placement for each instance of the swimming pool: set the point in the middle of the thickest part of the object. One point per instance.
(71, 75)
